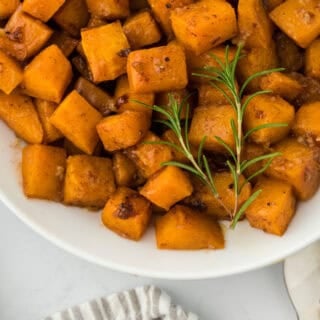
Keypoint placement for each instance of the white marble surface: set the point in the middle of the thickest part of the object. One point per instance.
(36, 279)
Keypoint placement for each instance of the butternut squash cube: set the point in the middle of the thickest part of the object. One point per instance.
(213, 121)
(162, 10)
(123, 130)
(274, 208)
(306, 124)
(72, 16)
(89, 181)
(48, 75)
(125, 171)
(300, 20)
(77, 120)
(127, 213)
(157, 69)
(45, 110)
(149, 157)
(203, 200)
(312, 60)
(42, 9)
(109, 9)
(255, 26)
(203, 25)
(106, 49)
(197, 63)
(11, 73)
(297, 165)
(185, 229)
(141, 30)
(19, 113)
(256, 60)
(24, 35)
(282, 85)
(167, 187)
(8, 7)
(182, 97)
(43, 170)
(126, 99)
(268, 109)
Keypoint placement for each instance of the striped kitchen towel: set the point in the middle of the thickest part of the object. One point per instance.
(144, 303)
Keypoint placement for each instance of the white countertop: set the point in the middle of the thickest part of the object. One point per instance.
(37, 279)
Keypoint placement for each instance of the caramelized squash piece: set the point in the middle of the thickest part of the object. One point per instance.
(127, 213)
(77, 120)
(109, 9)
(274, 208)
(43, 170)
(185, 229)
(89, 181)
(125, 171)
(312, 60)
(19, 113)
(297, 165)
(172, 179)
(8, 7)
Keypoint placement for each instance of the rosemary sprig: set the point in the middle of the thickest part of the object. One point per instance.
(224, 74)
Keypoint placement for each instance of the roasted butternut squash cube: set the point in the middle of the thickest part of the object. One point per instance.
(282, 85)
(203, 200)
(19, 113)
(291, 56)
(24, 35)
(182, 97)
(11, 73)
(300, 20)
(213, 121)
(268, 109)
(77, 120)
(106, 50)
(141, 30)
(126, 99)
(167, 187)
(109, 9)
(97, 97)
(43, 170)
(274, 208)
(45, 110)
(8, 7)
(89, 181)
(255, 26)
(203, 25)
(127, 213)
(251, 151)
(297, 165)
(72, 16)
(65, 42)
(256, 60)
(52, 63)
(183, 228)
(123, 130)
(125, 171)
(196, 63)
(306, 124)
(162, 10)
(210, 95)
(149, 157)
(312, 60)
(42, 9)
(157, 69)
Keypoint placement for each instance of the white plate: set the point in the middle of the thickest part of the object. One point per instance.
(81, 233)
